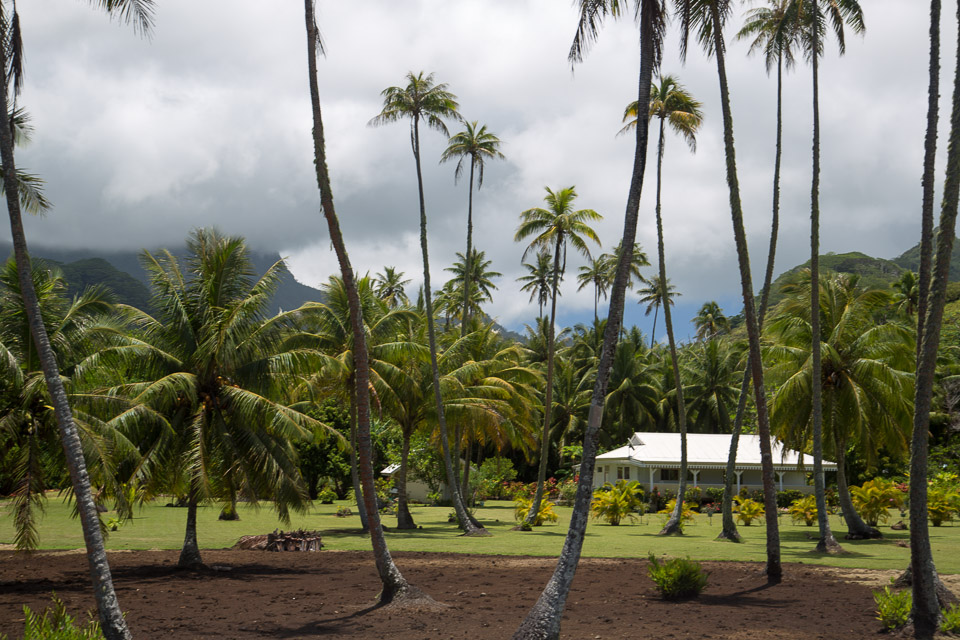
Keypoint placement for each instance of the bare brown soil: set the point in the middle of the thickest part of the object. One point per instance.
(258, 594)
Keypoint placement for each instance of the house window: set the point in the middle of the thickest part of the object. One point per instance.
(670, 474)
(623, 473)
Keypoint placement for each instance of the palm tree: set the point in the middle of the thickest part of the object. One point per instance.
(710, 321)
(538, 279)
(390, 287)
(208, 377)
(867, 376)
(326, 328)
(28, 426)
(710, 377)
(394, 584)
(775, 35)
(926, 607)
(637, 261)
(543, 621)
(597, 273)
(555, 227)
(670, 102)
(653, 296)
(706, 18)
(906, 293)
(808, 12)
(479, 145)
(140, 13)
(421, 99)
(476, 274)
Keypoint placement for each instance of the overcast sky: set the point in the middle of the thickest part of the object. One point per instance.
(208, 123)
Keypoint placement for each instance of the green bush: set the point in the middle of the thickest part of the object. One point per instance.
(327, 496)
(693, 495)
(893, 607)
(941, 504)
(546, 514)
(804, 510)
(950, 622)
(615, 502)
(873, 499)
(568, 491)
(495, 474)
(748, 510)
(57, 625)
(714, 495)
(786, 498)
(677, 577)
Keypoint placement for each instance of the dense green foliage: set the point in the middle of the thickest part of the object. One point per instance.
(677, 578)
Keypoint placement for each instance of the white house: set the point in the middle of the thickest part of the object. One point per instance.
(653, 459)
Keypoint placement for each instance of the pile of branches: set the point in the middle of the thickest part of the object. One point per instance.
(282, 541)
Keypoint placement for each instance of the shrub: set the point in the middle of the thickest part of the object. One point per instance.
(874, 498)
(693, 495)
(687, 514)
(939, 507)
(614, 502)
(495, 476)
(327, 496)
(677, 578)
(713, 494)
(546, 514)
(785, 499)
(748, 510)
(950, 621)
(568, 491)
(657, 500)
(343, 512)
(893, 607)
(805, 510)
(57, 625)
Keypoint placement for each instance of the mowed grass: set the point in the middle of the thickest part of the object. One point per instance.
(158, 527)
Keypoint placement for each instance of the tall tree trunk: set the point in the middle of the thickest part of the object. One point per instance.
(774, 570)
(468, 523)
(465, 487)
(543, 620)
(653, 331)
(674, 524)
(548, 392)
(355, 463)
(190, 552)
(395, 586)
(465, 318)
(111, 618)
(404, 519)
(926, 610)
(729, 531)
(857, 528)
(827, 543)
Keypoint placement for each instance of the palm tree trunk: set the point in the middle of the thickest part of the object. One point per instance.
(355, 465)
(926, 609)
(394, 584)
(653, 331)
(729, 531)
(465, 318)
(404, 519)
(674, 524)
(111, 618)
(827, 542)
(465, 487)
(543, 620)
(548, 392)
(190, 552)
(857, 529)
(468, 523)
(774, 570)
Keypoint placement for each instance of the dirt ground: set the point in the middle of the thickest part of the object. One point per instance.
(257, 594)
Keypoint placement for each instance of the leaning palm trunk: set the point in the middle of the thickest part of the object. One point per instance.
(468, 523)
(394, 584)
(729, 531)
(111, 618)
(926, 612)
(857, 528)
(674, 524)
(774, 570)
(355, 465)
(548, 393)
(190, 552)
(404, 519)
(543, 621)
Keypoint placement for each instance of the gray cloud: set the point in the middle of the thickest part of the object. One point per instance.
(207, 123)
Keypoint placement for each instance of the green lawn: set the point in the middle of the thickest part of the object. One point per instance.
(159, 527)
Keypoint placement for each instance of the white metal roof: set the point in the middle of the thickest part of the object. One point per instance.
(704, 451)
